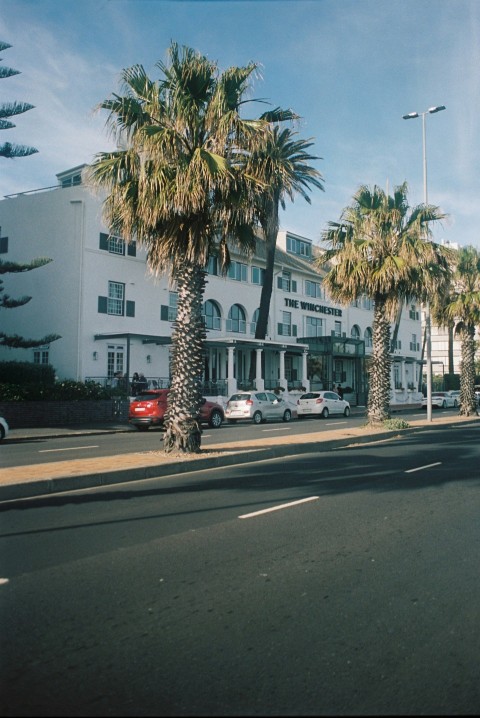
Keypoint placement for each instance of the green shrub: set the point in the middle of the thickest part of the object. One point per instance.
(396, 424)
(66, 390)
(24, 372)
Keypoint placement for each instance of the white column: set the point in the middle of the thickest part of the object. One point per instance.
(231, 381)
(259, 382)
(305, 381)
(402, 374)
(282, 380)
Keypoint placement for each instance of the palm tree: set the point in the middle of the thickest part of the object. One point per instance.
(461, 305)
(178, 185)
(280, 163)
(379, 248)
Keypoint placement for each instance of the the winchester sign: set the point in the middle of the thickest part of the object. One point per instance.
(310, 307)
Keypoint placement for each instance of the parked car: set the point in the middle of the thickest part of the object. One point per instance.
(3, 428)
(149, 406)
(322, 403)
(441, 400)
(257, 406)
(456, 395)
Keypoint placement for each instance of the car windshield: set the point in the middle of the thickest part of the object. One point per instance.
(239, 397)
(150, 396)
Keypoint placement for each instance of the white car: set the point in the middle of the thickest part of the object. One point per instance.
(322, 403)
(441, 400)
(3, 428)
(257, 406)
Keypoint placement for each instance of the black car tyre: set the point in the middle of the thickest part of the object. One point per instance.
(287, 415)
(216, 419)
(325, 413)
(257, 417)
(347, 411)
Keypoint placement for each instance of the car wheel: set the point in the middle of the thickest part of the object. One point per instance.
(347, 411)
(325, 413)
(143, 427)
(216, 419)
(287, 415)
(257, 417)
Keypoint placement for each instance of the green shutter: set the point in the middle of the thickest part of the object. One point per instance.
(103, 241)
(102, 305)
(132, 249)
(164, 313)
(130, 312)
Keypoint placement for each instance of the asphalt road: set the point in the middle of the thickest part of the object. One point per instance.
(337, 583)
(37, 450)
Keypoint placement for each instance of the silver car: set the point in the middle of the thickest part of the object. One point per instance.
(322, 403)
(257, 406)
(441, 400)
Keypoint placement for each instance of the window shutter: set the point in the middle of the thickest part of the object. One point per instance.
(294, 285)
(164, 313)
(280, 282)
(294, 330)
(280, 329)
(102, 305)
(103, 241)
(132, 249)
(3, 245)
(130, 309)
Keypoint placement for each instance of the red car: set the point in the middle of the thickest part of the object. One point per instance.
(149, 407)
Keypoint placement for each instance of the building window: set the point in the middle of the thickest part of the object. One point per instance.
(212, 266)
(238, 271)
(413, 313)
(116, 298)
(172, 306)
(236, 320)
(3, 244)
(368, 338)
(286, 282)
(313, 289)
(367, 302)
(355, 333)
(116, 245)
(298, 247)
(40, 355)
(211, 316)
(338, 329)
(397, 378)
(313, 327)
(258, 275)
(414, 344)
(286, 328)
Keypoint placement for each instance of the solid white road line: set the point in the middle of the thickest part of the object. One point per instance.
(277, 508)
(281, 428)
(70, 448)
(420, 468)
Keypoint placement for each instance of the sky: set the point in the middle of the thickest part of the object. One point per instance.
(350, 68)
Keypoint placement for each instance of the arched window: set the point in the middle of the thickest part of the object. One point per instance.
(253, 323)
(355, 333)
(211, 315)
(368, 337)
(236, 319)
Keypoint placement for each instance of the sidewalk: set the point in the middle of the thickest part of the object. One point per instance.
(50, 478)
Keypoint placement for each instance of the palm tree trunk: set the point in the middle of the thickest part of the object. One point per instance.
(468, 400)
(187, 360)
(270, 230)
(379, 392)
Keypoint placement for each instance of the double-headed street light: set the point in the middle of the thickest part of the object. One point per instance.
(428, 323)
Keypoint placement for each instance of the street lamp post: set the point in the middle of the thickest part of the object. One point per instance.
(428, 321)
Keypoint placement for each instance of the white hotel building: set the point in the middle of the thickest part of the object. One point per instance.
(113, 315)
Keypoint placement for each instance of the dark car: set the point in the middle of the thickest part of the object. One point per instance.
(148, 409)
